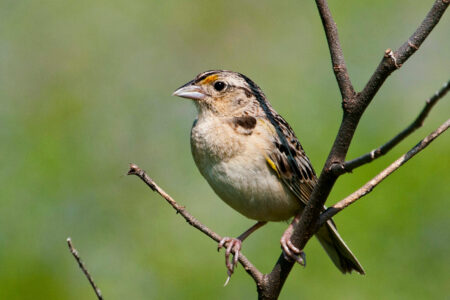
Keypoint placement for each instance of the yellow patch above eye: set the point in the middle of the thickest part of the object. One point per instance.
(210, 79)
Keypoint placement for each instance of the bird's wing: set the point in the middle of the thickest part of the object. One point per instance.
(288, 159)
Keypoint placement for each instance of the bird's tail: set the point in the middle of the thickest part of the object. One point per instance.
(337, 250)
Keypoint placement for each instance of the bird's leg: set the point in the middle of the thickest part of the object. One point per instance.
(234, 245)
(289, 250)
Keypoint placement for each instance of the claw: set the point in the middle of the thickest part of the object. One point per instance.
(303, 257)
(222, 242)
(233, 246)
(291, 252)
(228, 280)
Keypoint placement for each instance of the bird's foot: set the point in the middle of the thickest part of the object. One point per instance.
(232, 245)
(291, 252)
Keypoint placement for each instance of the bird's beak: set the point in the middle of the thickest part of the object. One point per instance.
(190, 91)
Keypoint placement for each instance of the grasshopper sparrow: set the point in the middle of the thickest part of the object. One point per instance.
(252, 159)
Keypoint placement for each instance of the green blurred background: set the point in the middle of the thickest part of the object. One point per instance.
(85, 89)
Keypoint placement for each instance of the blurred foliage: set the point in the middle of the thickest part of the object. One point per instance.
(86, 88)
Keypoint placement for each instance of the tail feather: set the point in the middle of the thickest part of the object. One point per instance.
(337, 250)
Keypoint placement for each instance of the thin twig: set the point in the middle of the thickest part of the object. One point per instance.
(353, 110)
(394, 60)
(83, 268)
(337, 56)
(382, 150)
(248, 266)
(270, 285)
(369, 186)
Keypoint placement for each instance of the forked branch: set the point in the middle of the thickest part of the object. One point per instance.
(269, 285)
(353, 110)
(369, 186)
(394, 60)
(348, 166)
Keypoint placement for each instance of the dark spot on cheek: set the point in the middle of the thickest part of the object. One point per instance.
(246, 122)
(239, 101)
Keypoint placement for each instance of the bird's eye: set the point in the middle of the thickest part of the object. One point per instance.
(219, 85)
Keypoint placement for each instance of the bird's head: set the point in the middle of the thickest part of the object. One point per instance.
(223, 93)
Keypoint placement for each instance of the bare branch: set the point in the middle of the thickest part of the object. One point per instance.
(248, 266)
(83, 268)
(369, 186)
(382, 150)
(269, 285)
(394, 60)
(353, 110)
(337, 57)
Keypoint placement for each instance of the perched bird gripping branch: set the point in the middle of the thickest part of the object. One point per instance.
(252, 159)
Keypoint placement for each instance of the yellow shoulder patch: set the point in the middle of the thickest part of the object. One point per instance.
(272, 165)
(210, 79)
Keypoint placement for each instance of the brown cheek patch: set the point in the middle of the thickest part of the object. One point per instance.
(244, 125)
(246, 122)
(210, 79)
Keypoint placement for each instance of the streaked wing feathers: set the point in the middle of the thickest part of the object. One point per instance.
(293, 166)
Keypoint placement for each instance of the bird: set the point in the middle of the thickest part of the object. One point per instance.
(253, 161)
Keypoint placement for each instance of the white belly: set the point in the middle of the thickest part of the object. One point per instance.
(256, 192)
(235, 166)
